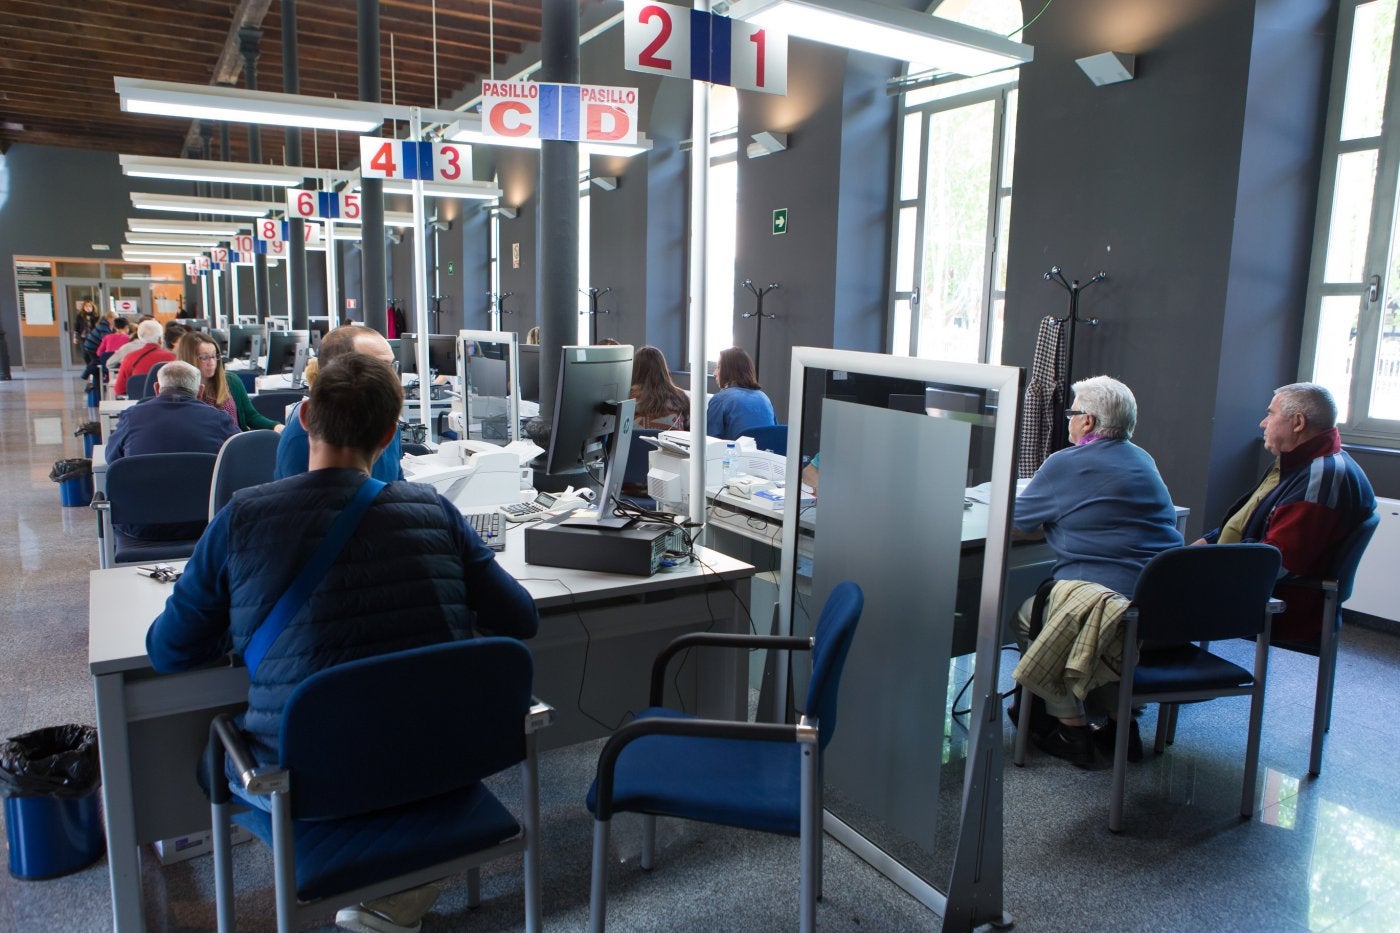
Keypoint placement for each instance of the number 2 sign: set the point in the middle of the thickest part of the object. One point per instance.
(661, 38)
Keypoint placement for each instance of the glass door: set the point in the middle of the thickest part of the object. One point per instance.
(75, 295)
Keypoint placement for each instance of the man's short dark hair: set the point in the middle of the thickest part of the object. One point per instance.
(354, 402)
(339, 342)
(173, 333)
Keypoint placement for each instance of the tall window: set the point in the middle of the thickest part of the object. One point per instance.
(1351, 343)
(953, 204)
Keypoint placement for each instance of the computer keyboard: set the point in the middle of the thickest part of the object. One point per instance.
(490, 527)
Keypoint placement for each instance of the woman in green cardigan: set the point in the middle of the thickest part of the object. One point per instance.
(216, 387)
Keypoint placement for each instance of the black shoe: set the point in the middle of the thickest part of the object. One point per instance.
(1042, 723)
(1107, 734)
(1074, 744)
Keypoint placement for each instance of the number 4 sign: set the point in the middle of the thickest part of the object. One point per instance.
(661, 38)
(398, 158)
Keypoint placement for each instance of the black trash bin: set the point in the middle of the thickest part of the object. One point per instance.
(91, 433)
(53, 812)
(74, 478)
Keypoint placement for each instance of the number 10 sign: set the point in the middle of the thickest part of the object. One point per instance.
(664, 39)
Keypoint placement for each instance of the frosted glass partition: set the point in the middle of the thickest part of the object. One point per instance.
(488, 373)
(912, 461)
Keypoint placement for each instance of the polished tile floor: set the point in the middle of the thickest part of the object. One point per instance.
(1319, 854)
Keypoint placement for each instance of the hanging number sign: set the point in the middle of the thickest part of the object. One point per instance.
(308, 203)
(665, 39)
(405, 159)
(585, 113)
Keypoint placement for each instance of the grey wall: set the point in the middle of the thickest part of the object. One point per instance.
(1194, 187)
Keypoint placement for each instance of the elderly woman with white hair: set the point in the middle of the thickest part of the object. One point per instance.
(1105, 511)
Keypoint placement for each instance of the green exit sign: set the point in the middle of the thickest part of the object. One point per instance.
(780, 223)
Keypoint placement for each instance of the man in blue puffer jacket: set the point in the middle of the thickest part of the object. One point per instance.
(413, 573)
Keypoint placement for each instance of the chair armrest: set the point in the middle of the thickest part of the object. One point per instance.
(715, 640)
(100, 503)
(1275, 606)
(540, 716)
(225, 739)
(1311, 583)
(805, 731)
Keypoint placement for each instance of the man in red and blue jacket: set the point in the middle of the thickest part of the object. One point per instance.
(1306, 505)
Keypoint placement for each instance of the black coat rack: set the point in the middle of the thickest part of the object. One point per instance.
(497, 306)
(593, 295)
(758, 313)
(1068, 323)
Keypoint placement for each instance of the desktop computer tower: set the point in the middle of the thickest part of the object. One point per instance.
(637, 550)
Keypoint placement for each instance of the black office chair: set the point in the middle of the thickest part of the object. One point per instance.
(151, 380)
(274, 404)
(247, 459)
(378, 784)
(136, 386)
(754, 775)
(1336, 590)
(1195, 594)
(170, 491)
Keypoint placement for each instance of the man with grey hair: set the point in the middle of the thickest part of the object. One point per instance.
(1105, 512)
(1308, 502)
(148, 352)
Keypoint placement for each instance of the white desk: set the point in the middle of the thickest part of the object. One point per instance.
(152, 727)
(99, 468)
(109, 410)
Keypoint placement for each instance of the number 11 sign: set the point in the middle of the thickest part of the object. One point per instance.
(665, 39)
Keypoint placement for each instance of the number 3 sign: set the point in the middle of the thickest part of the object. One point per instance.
(661, 38)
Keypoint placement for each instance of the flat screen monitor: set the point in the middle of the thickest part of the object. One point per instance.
(240, 340)
(530, 372)
(396, 344)
(593, 383)
(282, 349)
(318, 329)
(487, 363)
(220, 335)
(442, 354)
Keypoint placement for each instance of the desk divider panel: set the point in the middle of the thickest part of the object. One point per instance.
(914, 506)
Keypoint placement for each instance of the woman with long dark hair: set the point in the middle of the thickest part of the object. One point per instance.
(740, 403)
(216, 387)
(660, 402)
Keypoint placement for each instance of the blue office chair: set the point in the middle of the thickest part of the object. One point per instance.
(773, 437)
(634, 476)
(247, 459)
(274, 404)
(1336, 590)
(136, 386)
(753, 775)
(151, 379)
(167, 494)
(378, 787)
(1190, 594)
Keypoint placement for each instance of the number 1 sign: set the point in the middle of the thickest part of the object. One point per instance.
(661, 38)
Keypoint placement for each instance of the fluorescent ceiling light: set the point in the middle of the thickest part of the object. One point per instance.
(174, 239)
(188, 204)
(235, 105)
(892, 32)
(471, 190)
(197, 227)
(468, 130)
(146, 254)
(235, 173)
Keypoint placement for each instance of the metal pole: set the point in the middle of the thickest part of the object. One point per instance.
(249, 46)
(699, 219)
(298, 296)
(374, 289)
(420, 284)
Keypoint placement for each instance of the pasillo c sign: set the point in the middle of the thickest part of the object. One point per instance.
(586, 113)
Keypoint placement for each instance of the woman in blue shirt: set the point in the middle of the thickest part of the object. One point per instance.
(740, 403)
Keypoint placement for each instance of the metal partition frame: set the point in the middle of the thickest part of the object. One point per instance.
(492, 336)
(974, 894)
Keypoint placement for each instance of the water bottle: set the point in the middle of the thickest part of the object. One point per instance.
(727, 467)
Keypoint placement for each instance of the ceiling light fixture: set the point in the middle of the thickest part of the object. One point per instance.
(236, 105)
(470, 190)
(236, 173)
(174, 239)
(198, 227)
(904, 35)
(188, 204)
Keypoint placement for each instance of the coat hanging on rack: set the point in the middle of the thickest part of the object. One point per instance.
(1044, 397)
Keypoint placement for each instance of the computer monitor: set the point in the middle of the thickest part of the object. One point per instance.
(592, 418)
(530, 372)
(442, 354)
(240, 340)
(396, 345)
(220, 335)
(318, 329)
(282, 349)
(487, 364)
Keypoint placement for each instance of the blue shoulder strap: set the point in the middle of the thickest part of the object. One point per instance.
(297, 594)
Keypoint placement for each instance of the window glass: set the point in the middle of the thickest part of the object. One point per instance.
(909, 158)
(1368, 68)
(1351, 216)
(1336, 342)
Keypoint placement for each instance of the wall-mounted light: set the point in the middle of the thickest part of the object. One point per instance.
(235, 105)
(606, 182)
(766, 143)
(505, 213)
(188, 204)
(1108, 67)
(905, 35)
(234, 173)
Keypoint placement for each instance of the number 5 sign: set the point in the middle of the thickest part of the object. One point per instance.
(308, 204)
(661, 38)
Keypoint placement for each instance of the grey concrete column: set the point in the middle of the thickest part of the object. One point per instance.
(250, 47)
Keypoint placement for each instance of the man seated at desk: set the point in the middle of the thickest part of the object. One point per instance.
(412, 573)
(1105, 512)
(1311, 499)
(292, 446)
